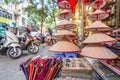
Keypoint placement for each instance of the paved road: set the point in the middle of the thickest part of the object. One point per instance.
(9, 68)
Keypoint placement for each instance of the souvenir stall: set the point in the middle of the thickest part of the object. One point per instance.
(65, 59)
(95, 48)
(73, 67)
(64, 35)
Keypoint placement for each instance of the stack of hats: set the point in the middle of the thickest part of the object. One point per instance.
(64, 45)
(95, 49)
(64, 34)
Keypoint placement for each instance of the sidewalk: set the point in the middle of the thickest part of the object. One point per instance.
(9, 68)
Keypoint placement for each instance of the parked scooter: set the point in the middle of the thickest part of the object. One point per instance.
(27, 42)
(10, 45)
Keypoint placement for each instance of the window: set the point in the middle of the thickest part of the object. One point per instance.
(5, 14)
(23, 21)
(1, 13)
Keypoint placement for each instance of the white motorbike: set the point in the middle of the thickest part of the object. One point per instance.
(10, 45)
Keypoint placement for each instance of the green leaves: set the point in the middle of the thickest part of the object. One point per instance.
(13, 1)
(50, 11)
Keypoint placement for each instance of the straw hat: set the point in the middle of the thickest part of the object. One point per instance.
(65, 24)
(97, 25)
(105, 29)
(98, 38)
(98, 15)
(66, 33)
(65, 14)
(97, 51)
(57, 38)
(98, 4)
(64, 46)
(64, 4)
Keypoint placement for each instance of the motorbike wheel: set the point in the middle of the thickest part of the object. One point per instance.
(33, 49)
(12, 54)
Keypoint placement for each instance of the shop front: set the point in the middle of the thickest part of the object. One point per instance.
(5, 16)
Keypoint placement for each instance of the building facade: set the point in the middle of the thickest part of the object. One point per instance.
(12, 14)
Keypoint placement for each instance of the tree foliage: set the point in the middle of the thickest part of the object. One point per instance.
(13, 1)
(37, 15)
(50, 11)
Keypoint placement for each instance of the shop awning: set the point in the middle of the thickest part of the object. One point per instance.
(5, 20)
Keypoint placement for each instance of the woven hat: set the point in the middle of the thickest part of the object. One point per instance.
(97, 25)
(64, 4)
(66, 33)
(97, 51)
(98, 15)
(64, 46)
(57, 38)
(65, 24)
(65, 14)
(98, 4)
(105, 29)
(98, 38)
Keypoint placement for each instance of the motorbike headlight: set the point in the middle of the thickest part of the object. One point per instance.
(3, 40)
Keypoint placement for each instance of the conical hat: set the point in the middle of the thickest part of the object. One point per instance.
(97, 25)
(66, 33)
(65, 24)
(98, 38)
(98, 4)
(64, 46)
(97, 51)
(65, 14)
(64, 4)
(99, 30)
(98, 15)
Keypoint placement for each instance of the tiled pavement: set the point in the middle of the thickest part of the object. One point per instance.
(9, 68)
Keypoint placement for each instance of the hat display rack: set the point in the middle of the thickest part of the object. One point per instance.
(94, 48)
(63, 31)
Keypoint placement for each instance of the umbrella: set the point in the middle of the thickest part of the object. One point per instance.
(98, 38)
(98, 15)
(65, 14)
(24, 69)
(98, 4)
(65, 33)
(65, 24)
(98, 25)
(97, 51)
(64, 4)
(64, 46)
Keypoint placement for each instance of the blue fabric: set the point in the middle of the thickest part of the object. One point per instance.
(71, 55)
(14, 24)
(118, 42)
(59, 54)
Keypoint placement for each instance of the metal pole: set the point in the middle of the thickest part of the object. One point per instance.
(82, 30)
(117, 13)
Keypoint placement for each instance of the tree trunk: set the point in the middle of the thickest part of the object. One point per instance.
(54, 13)
(42, 15)
(54, 17)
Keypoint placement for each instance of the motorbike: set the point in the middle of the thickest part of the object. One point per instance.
(10, 45)
(27, 42)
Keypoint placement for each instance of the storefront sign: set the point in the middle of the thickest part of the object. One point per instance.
(5, 20)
